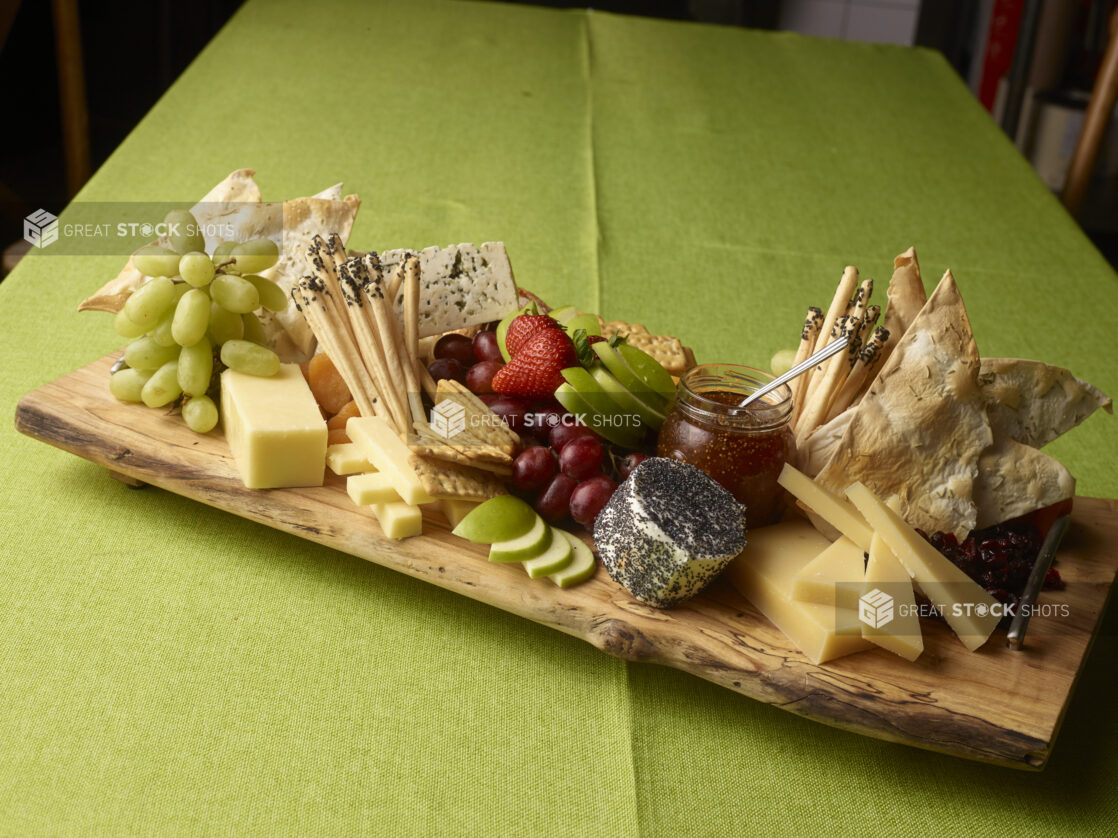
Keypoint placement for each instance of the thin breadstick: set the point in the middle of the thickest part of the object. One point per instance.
(411, 327)
(392, 289)
(855, 319)
(821, 394)
(808, 335)
(387, 328)
(874, 365)
(837, 309)
(869, 355)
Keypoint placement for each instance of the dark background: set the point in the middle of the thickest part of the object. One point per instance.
(132, 51)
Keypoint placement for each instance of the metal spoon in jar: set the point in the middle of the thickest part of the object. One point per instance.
(837, 345)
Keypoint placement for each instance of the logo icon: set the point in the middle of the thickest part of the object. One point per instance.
(40, 228)
(875, 609)
(448, 419)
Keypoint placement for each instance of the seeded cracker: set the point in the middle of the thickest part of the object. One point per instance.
(444, 480)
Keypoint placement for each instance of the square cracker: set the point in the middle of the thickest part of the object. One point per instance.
(664, 348)
(443, 480)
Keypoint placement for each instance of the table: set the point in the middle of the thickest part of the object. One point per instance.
(170, 669)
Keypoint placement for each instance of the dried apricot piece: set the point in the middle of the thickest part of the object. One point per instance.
(337, 436)
(326, 384)
(339, 419)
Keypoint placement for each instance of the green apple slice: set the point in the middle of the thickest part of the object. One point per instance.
(581, 566)
(528, 546)
(563, 313)
(588, 322)
(556, 557)
(626, 400)
(648, 370)
(617, 367)
(503, 329)
(590, 390)
(498, 519)
(602, 424)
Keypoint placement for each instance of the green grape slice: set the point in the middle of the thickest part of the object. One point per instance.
(249, 358)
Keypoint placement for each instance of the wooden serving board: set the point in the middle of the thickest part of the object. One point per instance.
(995, 705)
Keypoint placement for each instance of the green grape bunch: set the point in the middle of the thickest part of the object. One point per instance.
(194, 316)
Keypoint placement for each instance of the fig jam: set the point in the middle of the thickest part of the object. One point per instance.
(743, 449)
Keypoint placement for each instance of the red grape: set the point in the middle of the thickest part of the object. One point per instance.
(589, 497)
(479, 377)
(566, 432)
(554, 501)
(511, 410)
(542, 419)
(626, 466)
(458, 347)
(528, 441)
(581, 458)
(486, 347)
(533, 468)
(442, 368)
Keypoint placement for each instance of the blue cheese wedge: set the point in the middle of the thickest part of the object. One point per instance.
(460, 285)
(668, 531)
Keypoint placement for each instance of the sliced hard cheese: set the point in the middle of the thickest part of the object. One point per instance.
(399, 519)
(274, 428)
(836, 511)
(968, 609)
(885, 575)
(375, 487)
(346, 458)
(764, 574)
(833, 577)
(380, 445)
(456, 510)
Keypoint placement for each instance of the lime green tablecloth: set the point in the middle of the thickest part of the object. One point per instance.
(166, 668)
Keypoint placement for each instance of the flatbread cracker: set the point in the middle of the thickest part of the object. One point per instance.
(1033, 402)
(1015, 479)
(443, 480)
(918, 433)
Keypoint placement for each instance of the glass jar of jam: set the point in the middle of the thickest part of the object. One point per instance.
(743, 448)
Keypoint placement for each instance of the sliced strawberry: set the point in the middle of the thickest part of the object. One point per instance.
(536, 370)
(525, 327)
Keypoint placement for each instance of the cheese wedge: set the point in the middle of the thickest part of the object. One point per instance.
(764, 574)
(387, 452)
(374, 487)
(971, 612)
(833, 577)
(346, 458)
(398, 519)
(836, 511)
(886, 576)
(274, 428)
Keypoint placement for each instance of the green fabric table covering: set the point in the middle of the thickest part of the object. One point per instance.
(167, 668)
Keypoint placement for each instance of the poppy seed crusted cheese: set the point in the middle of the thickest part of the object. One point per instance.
(668, 531)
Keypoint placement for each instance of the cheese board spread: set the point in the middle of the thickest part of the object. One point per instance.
(850, 546)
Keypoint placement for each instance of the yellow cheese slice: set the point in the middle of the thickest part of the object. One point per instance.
(387, 452)
(274, 428)
(834, 577)
(374, 487)
(346, 458)
(764, 574)
(399, 519)
(971, 612)
(456, 510)
(836, 511)
(887, 585)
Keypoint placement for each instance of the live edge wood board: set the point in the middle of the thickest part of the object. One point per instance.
(996, 705)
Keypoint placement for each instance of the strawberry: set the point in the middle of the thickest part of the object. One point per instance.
(524, 328)
(535, 371)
